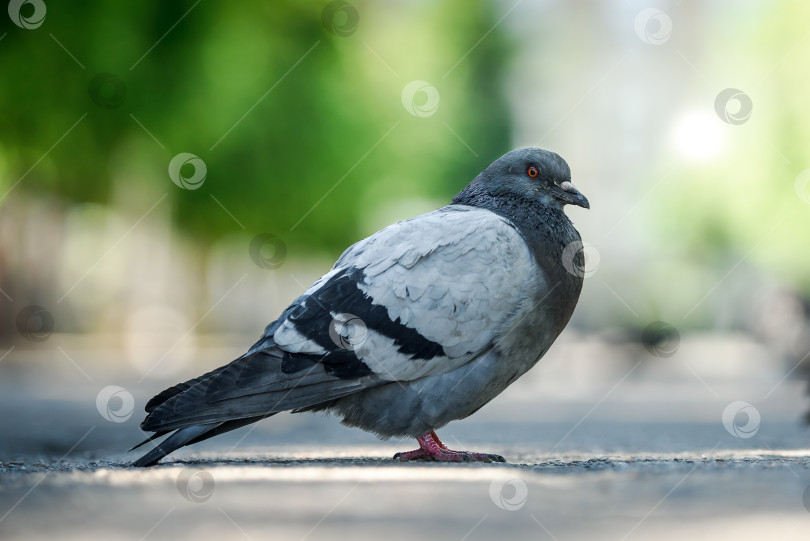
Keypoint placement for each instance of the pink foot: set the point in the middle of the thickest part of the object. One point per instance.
(432, 448)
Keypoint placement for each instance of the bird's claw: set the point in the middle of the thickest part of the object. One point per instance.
(432, 449)
(448, 456)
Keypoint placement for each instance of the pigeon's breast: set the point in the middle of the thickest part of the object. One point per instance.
(530, 331)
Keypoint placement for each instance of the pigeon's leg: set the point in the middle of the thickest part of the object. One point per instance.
(432, 448)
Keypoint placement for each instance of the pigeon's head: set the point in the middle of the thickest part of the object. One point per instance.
(527, 174)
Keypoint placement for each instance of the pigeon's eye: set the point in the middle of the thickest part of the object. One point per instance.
(532, 171)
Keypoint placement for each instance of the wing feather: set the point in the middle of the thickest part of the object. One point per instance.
(450, 278)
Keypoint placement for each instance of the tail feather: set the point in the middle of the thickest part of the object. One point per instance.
(180, 388)
(253, 387)
(227, 426)
(154, 436)
(175, 415)
(187, 436)
(172, 443)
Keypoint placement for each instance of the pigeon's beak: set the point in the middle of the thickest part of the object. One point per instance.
(572, 195)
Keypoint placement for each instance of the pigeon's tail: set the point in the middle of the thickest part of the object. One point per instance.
(189, 436)
(255, 386)
(177, 440)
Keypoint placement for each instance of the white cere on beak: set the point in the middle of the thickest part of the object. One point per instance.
(568, 187)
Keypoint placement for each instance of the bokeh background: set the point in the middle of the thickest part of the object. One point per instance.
(172, 174)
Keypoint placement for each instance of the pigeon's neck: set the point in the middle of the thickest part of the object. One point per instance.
(551, 238)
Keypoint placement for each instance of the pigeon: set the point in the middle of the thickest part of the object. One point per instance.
(418, 325)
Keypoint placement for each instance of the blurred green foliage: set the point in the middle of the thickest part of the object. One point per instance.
(747, 207)
(309, 115)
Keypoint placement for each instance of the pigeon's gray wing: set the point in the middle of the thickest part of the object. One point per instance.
(420, 298)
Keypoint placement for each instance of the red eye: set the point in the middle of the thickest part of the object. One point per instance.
(532, 171)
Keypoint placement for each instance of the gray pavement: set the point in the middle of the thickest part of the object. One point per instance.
(607, 450)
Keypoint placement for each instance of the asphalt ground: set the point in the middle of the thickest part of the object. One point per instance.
(611, 450)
